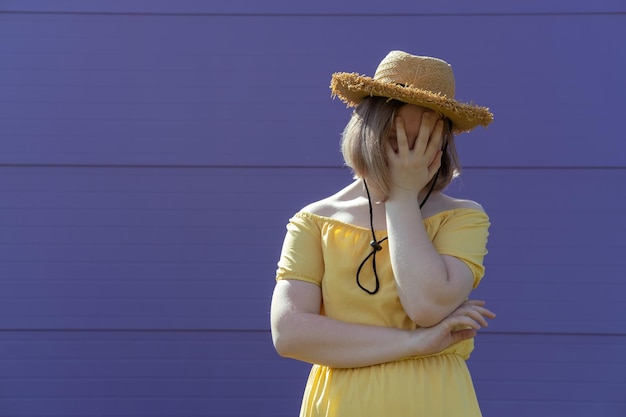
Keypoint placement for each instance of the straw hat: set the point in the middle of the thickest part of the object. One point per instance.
(420, 80)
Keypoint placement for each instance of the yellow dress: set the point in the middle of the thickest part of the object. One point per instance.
(327, 252)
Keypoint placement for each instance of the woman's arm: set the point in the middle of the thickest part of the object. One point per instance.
(300, 332)
(430, 286)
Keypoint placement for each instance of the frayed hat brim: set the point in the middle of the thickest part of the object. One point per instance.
(352, 88)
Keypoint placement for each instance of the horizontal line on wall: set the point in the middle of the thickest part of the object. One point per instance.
(372, 14)
(501, 333)
(112, 330)
(206, 378)
(137, 330)
(251, 166)
(568, 402)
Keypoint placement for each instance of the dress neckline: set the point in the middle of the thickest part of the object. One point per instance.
(368, 230)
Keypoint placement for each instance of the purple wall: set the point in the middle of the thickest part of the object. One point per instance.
(151, 153)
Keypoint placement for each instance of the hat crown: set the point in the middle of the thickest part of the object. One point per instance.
(422, 72)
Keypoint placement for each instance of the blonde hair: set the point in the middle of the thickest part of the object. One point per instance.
(363, 145)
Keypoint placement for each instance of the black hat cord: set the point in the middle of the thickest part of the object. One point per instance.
(375, 244)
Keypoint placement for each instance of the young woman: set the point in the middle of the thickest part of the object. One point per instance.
(373, 282)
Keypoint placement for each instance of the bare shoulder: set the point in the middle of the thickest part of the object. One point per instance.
(342, 205)
(443, 202)
(322, 207)
(458, 203)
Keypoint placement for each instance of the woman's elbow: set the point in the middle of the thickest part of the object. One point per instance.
(427, 314)
(283, 338)
(426, 320)
(281, 344)
(427, 311)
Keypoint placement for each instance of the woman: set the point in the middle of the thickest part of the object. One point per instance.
(373, 282)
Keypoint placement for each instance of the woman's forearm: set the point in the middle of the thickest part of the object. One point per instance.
(300, 332)
(321, 340)
(426, 291)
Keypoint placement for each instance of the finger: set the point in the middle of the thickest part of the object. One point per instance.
(473, 302)
(477, 317)
(392, 154)
(462, 321)
(434, 143)
(485, 311)
(463, 335)
(488, 313)
(403, 142)
(434, 165)
(482, 310)
(476, 313)
(423, 134)
(480, 315)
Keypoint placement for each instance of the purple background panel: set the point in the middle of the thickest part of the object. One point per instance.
(324, 7)
(146, 374)
(121, 90)
(128, 248)
(151, 153)
(549, 375)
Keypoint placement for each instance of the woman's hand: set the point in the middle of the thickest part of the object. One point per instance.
(418, 154)
(461, 324)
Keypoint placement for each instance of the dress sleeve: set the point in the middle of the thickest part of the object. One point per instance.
(463, 235)
(301, 257)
